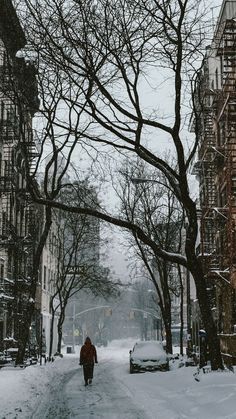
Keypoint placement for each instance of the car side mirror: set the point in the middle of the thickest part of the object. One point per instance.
(130, 352)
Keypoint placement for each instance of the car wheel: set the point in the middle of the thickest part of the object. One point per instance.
(167, 368)
(131, 369)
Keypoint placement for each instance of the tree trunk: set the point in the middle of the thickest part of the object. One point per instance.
(59, 328)
(28, 314)
(181, 310)
(167, 307)
(206, 314)
(24, 329)
(195, 267)
(51, 331)
(167, 324)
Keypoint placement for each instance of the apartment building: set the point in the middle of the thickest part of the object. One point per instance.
(21, 220)
(18, 215)
(49, 270)
(215, 126)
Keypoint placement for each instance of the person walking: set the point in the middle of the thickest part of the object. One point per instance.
(88, 356)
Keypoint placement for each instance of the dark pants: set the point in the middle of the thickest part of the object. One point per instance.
(88, 371)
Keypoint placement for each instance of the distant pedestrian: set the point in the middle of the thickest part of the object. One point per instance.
(88, 356)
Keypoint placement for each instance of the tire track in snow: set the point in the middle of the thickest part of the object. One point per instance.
(106, 398)
(54, 403)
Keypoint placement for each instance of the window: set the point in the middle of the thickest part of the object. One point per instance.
(2, 110)
(44, 277)
(49, 278)
(4, 224)
(1, 271)
(216, 78)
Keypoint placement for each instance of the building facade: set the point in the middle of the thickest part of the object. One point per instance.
(215, 126)
(49, 270)
(18, 215)
(21, 220)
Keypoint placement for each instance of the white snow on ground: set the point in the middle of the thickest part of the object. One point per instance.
(161, 395)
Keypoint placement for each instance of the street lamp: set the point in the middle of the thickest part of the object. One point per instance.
(140, 181)
(137, 181)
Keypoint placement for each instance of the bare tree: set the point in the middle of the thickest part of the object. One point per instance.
(96, 59)
(78, 259)
(152, 205)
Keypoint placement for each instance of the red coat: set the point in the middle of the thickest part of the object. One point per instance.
(88, 354)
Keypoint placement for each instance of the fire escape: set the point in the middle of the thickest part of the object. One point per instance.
(226, 188)
(217, 165)
(222, 266)
(216, 170)
(226, 151)
(205, 170)
(17, 216)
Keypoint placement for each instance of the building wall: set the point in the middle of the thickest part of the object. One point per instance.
(228, 11)
(216, 121)
(50, 269)
(16, 240)
(20, 219)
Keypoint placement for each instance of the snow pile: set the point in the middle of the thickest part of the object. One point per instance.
(22, 390)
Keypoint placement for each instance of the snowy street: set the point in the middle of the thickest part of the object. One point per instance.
(105, 398)
(56, 390)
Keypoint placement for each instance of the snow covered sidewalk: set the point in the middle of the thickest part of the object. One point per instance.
(165, 395)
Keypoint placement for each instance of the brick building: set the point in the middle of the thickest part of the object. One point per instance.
(215, 126)
(19, 217)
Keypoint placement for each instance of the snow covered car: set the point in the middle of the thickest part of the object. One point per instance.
(5, 359)
(148, 356)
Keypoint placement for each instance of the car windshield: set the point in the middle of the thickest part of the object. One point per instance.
(148, 349)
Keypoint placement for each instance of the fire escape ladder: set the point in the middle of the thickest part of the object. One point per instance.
(210, 259)
(227, 49)
(30, 149)
(8, 175)
(231, 173)
(208, 129)
(209, 143)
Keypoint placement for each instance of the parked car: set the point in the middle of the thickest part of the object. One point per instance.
(12, 352)
(5, 359)
(8, 357)
(148, 356)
